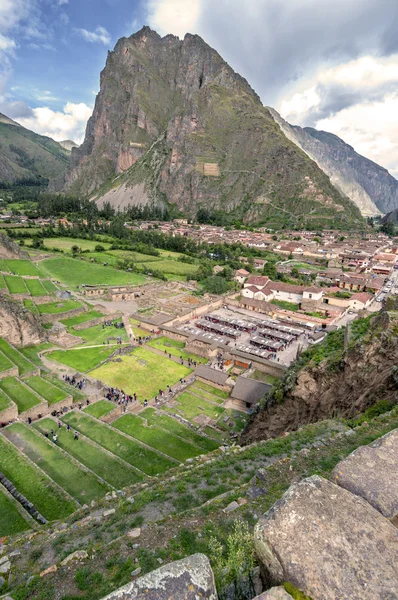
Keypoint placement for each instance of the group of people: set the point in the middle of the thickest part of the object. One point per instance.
(54, 436)
(73, 381)
(119, 396)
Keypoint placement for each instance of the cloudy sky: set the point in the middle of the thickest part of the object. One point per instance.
(330, 64)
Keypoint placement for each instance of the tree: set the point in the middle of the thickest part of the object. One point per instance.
(270, 270)
(99, 248)
(75, 249)
(215, 285)
(388, 228)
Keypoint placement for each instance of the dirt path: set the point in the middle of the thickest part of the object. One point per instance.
(128, 328)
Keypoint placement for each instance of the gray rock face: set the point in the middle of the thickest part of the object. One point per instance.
(372, 473)
(369, 185)
(329, 543)
(187, 579)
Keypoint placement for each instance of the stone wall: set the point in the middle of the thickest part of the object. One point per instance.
(58, 406)
(35, 411)
(13, 372)
(9, 414)
(97, 321)
(51, 318)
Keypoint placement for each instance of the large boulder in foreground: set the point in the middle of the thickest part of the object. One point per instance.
(187, 579)
(330, 544)
(372, 473)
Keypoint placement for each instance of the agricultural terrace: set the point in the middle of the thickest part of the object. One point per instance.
(82, 359)
(5, 363)
(75, 272)
(35, 287)
(82, 318)
(23, 364)
(79, 483)
(136, 454)
(46, 390)
(23, 267)
(107, 466)
(60, 306)
(142, 372)
(66, 243)
(15, 285)
(175, 348)
(100, 409)
(4, 401)
(19, 393)
(11, 522)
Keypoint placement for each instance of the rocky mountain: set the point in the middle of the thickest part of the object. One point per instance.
(369, 185)
(391, 217)
(68, 145)
(173, 123)
(28, 155)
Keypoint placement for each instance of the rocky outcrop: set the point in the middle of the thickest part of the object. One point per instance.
(328, 543)
(174, 124)
(10, 249)
(187, 579)
(343, 385)
(372, 473)
(18, 325)
(369, 185)
(275, 593)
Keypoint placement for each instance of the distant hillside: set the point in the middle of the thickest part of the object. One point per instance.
(174, 124)
(366, 183)
(68, 145)
(27, 155)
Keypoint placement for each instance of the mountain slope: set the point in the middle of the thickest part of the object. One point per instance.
(369, 185)
(173, 123)
(27, 155)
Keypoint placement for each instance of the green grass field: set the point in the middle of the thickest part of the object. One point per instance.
(16, 357)
(175, 348)
(3, 266)
(32, 352)
(60, 306)
(82, 318)
(23, 267)
(189, 406)
(100, 409)
(35, 287)
(137, 330)
(211, 389)
(171, 267)
(45, 389)
(111, 469)
(82, 359)
(202, 394)
(157, 438)
(5, 363)
(49, 286)
(66, 243)
(23, 397)
(82, 485)
(146, 460)
(15, 284)
(30, 305)
(32, 483)
(2, 283)
(98, 335)
(142, 372)
(11, 522)
(4, 401)
(213, 433)
(173, 426)
(74, 272)
(77, 395)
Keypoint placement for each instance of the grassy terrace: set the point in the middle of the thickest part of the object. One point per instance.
(32, 352)
(137, 330)
(66, 243)
(100, 409)
(82, 359)
(23, 267)
(116, 472)
(82, 318)
(175, 348)
(76, 394)
(46, 390)
(11, 522)
(142, 372)
(5, 363)
(190, 406)
(211, 389)
(35, 287)
(49, 286)
(82, 485)
(32, 483)
(23, 397)
(98, 335)
(157, 438)
(75, 272)
(61, 306)
(23, 364)
(176, 428)
(4, 401)
(137, 455)
(2, 283)
(16, 285)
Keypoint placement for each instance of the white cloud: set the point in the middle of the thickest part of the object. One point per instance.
(99, 35)
(174, 16)
(62, 2)
(68, 124)
(6, 43)
(13, 12)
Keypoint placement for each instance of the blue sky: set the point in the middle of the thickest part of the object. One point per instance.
(330, 64)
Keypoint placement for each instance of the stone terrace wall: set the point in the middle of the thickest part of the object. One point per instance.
(50, 318)
(9, 414)
(34, 412)
(68, 402)
(13, 372)
(97, 321)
